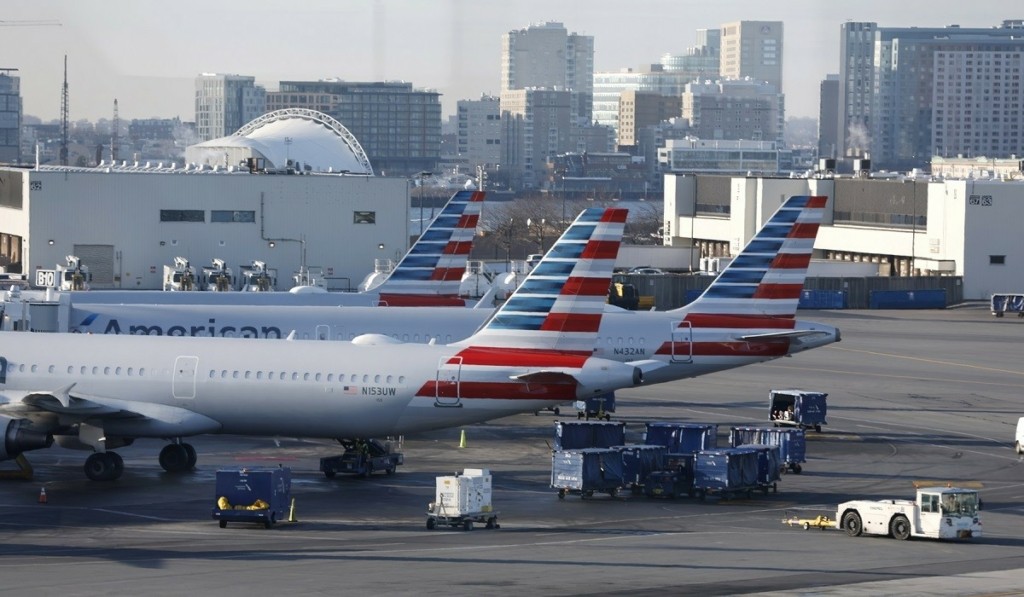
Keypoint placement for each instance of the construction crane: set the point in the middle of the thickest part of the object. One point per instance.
(31, 23)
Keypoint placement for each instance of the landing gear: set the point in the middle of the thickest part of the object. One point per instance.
(178, 458)
(104, 466)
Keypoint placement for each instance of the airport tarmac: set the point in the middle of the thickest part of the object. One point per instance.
(913, 395)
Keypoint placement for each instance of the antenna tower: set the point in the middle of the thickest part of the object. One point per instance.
(113, 133)
(64, 117)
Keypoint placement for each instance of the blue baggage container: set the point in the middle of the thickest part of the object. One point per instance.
(668, 484)
(822, 299)
(1008, 303)
(259, 495)
(586, 471)
(788, 408)
(579, 435)
(791, 442)
(682, 437)
(768, 465)
(638, 461)
(726, 472)
(907, 299)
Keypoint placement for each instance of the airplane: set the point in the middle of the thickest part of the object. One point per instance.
(428, 275)
(746, 316)
(102, 392)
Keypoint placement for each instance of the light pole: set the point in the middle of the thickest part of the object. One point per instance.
(564, 225)
(421, 176)
(508, 246)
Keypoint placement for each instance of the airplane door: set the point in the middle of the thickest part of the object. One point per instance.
(183, 383)
(323, 332)
(448, 385)
(682, 342)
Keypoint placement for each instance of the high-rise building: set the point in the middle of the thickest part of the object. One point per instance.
(752, 49)
(10, 118)
(479, 132)
(639, 109)
(398, 127)
(537, 124)
(225, 103)
(893, 80)
(734, 110)
(668, 78)
(546, 55)
(828, 106)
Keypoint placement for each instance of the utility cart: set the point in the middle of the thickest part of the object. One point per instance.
(1008, 303)
(460, 501)
(821, 522)
(259, 495)
(584, 472)
(797, 408)
(362, 458)
(596, 407)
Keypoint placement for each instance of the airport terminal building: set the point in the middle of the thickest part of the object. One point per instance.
(907, 226)
(290, 190)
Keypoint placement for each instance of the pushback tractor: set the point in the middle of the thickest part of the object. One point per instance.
(937, 513)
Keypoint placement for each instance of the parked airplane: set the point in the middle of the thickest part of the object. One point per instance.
(748, 315)
(428, 275)
(101, 392)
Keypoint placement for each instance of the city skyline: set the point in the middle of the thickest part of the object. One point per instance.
(148, 57)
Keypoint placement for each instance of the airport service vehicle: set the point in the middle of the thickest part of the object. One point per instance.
(362, 458)
(1018, 441)
(797, 408)
(101, 392)
(1007, 303)
(937, 513)
(259, 495)
(462, 500)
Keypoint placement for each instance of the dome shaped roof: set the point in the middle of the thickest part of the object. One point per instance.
(312, 140)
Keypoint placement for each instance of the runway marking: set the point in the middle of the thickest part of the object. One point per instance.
(83, 508)
(914, 377)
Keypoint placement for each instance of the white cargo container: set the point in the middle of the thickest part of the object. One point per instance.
(461, 500)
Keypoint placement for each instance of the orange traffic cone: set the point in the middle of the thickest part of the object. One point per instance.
(42, 495)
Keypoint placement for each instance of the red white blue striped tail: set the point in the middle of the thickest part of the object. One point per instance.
(766, 278)
(432, 270)
(559, 305)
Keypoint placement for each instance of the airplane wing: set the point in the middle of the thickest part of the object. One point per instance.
(120, 417)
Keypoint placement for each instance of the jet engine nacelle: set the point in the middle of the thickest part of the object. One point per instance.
(600, 376)
(18, 437)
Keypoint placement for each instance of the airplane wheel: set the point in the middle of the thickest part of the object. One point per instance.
(192, 457)
(174, 458)
(101, 467)
(118, 464)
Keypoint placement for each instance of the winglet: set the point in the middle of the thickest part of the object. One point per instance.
(431, 272)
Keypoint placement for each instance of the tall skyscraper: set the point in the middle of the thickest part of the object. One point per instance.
(908, 93)
(10, 118)
(397, 126)
(548, 56)
(753, 49)
(225, 103)
(828, 106)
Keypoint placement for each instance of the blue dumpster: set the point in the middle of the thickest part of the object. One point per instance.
(259, 495)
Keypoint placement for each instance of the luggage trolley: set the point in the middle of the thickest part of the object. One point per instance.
(797, 408)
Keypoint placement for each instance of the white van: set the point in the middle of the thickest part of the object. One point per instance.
(1018, 443)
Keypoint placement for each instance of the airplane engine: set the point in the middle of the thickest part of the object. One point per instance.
(599, 376)
(18, 437)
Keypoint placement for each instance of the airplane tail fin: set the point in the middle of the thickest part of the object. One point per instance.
(559, 305)
(763, 283)
(431, 272)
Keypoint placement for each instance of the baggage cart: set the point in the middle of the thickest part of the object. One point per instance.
(259, 495)
(797, 408)
(727, 472)
(682, 437)
(586, 472)
(639, 461)
(596, 407)
(1008, 303)
(579, 435)
(768, 466)
(791, 441)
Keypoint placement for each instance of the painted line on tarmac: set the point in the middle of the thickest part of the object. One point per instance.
(932, 361)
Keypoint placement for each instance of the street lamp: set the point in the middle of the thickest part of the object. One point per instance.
(421, 176)
(508, 246)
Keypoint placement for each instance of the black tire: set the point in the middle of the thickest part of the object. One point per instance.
(561, 494)
(807, 526)
(389, 471)
(431, 524)
(192, 456)
(899, 527)
(267, 524)
(1017, 447)
(100, 467)
(817, 428)
(223, 524)
(174, 458)
(329, 473)
(798, 469)
(467, 525)
(492, 522)
(852, 524)
(557, 411)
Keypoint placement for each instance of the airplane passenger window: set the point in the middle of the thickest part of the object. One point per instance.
(129, 371)
(317, 377)
(376, 379)
(305, 376)
(212, 373)
(389, 379)
(234, 374)
(401, 379)
(259, 375)
(295, 376)
(405, 337)
(51, 369)
(33, 368)
(248, 374)
(416, 338)
(106, 370)
(354, 378)
(330, 377)
(448, 339)
(366, 378)
(95, 369)
(83, 369)
(71, 369)
(117, 371)
(142, 371)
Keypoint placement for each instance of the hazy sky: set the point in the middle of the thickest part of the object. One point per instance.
(147, 53)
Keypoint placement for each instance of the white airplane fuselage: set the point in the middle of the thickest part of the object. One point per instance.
(624, 335)
(293, 388)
